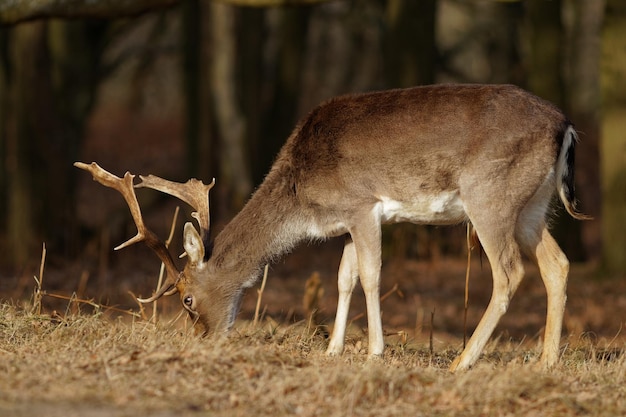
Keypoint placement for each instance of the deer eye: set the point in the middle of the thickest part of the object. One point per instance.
(188, 301)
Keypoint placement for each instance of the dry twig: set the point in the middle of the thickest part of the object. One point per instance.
(92, 303)
(313, 293)
(432, 327)
(38, 295)
(162, 270)
(39, 292)
(383, 297)
(260, 295)
(467, 273)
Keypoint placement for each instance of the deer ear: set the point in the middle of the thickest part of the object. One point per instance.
(193, 244)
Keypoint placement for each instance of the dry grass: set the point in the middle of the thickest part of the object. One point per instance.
(94, 364)
(90, 365)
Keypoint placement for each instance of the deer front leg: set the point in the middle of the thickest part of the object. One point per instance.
(367, 239)
(348, 273)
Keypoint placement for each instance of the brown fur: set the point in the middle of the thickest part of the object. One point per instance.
(487, 154)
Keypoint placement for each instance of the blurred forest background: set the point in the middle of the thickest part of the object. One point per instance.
(183, 88)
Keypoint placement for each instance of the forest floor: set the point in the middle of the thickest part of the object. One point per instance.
(73, 359)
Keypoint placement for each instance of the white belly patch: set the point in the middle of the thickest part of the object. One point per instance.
(442, 208)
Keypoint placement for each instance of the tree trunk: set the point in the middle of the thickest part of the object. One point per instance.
(292, 28)
(229, 119)
(409, 46)
(251, 79)
(5, 68)
(584, 99)
(51, 74)
(63, 103)
(192, 43)
(546, 53)
(25, 49)
(613, 137)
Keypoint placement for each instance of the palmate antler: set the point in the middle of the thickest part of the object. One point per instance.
(194, 192)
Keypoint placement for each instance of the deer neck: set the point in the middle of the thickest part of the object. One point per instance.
(268, 226)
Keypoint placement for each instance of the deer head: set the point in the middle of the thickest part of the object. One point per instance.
(196, 194)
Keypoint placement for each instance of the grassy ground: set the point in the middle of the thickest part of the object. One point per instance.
(90, 365)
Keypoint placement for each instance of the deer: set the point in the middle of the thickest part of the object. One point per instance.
(492, 156)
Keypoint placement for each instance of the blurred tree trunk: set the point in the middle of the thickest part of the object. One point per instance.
(614, 137)
(503, 49)
(74, 49)
(51, 78)
(584, 99)
(229, 119)
(409, 44)
(251, 80)
(546, 50)
(546, 53)
(25, 49)
(344, 44)
(5, 67)
(215, 127)
(279, 120)
(192, 83)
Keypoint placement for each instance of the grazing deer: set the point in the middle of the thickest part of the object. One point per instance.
(492, 155)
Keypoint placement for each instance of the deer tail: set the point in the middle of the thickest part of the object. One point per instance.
(565, 173)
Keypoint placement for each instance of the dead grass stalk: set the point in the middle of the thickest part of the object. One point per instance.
(260, 295)
(162, 269)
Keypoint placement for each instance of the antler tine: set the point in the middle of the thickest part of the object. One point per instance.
(164, 290)
(193, 192)
(125, 187)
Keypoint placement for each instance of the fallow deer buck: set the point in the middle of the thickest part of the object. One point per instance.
(492, 155)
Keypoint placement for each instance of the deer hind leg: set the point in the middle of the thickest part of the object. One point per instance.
(537, 243)
(505, 259)
(553, 267)
(347, 277)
